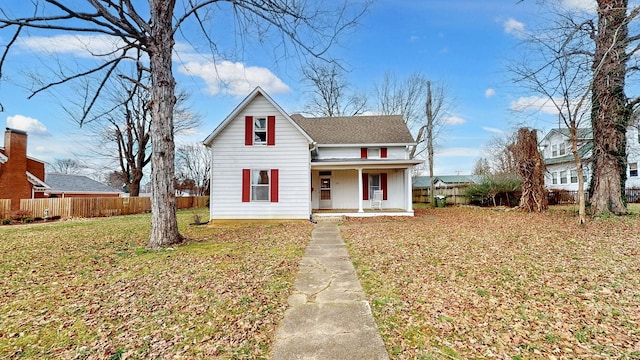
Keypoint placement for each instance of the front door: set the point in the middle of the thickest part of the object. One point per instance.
(325, 192)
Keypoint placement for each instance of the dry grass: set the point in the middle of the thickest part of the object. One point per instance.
(89, 289)
(459, 283)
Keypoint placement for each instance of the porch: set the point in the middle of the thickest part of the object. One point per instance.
(330, 213)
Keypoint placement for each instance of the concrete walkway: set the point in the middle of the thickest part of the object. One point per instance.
(328, 316)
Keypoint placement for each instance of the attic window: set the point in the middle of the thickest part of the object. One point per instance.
(561, 149)
(554, 150)
(260, 130)
(373, 153)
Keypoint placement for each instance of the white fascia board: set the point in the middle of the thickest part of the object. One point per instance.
(367, 145)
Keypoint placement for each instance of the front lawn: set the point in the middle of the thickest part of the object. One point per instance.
(461, 283)
(88, 289)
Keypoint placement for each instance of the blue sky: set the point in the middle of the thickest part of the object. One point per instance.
(464, 44)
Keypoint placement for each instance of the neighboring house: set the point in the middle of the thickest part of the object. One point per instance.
(66, 185)
(267, 164)
(561, 169)
(21, 177)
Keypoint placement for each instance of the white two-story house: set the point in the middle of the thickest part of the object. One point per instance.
(561, 167)
(267, 164)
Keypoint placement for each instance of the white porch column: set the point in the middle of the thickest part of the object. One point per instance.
(409, 187)
(360, 208)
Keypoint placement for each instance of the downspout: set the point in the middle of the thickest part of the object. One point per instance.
(314, 147)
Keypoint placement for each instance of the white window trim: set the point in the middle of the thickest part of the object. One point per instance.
(256, 130)
(267, 185)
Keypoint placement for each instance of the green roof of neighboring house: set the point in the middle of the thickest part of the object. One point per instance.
(425, 181)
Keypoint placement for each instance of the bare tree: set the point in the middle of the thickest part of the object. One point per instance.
(66, 166)
(611, 48)
(402, 97)
(123, 128)
(193, 162)
(501, 160)
(558, 69)
(311, 27)
(330, 92)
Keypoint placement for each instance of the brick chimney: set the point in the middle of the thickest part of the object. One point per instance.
(13, 177)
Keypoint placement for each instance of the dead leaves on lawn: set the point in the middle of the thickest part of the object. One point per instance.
(474, 283)
(91, 290)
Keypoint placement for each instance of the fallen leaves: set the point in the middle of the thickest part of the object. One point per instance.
(90, 289)
(475, 283)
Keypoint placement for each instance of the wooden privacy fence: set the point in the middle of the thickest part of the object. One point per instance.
(97, 207)
(454, 195)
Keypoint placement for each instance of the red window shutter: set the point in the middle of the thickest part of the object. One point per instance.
(383, 185)
(246, 185)
(363, 153)
(271, 130)
(274, 185)
(383, 153)
(365, 186)
(248, 130)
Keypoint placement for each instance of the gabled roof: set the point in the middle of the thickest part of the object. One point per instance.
(351, 130)
(582, 151)
(257, 91)
(35, 181)
(76, 183)
(583, 134)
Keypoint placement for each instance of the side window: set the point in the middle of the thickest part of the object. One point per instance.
(260, 130)
(633, 169)
(260, 185)
(574, 176)
(563, 177)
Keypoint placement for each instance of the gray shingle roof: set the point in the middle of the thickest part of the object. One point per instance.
(76, 183)
(379, 129)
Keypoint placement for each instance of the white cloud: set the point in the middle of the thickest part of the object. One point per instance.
(78, 45)
(489, 93)
(513, 26)
(492, 130)
(534, 103)
(589, 6)
(234, 78)
(25, 123)
(454, 120)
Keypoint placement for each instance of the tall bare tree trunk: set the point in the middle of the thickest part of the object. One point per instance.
(610, 114)
(582, 213)
(164, 225)
(429, 128)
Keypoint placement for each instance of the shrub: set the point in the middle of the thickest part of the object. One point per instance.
(495, 190)
(6, 221)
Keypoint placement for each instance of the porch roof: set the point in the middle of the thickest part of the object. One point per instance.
(330, 164)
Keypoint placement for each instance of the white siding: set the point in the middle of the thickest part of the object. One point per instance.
(393, 152)
(290, 156)
(345, 194)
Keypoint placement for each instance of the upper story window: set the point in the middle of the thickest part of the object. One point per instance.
(561, 149)
(558, 150)
(259, 130)
(373, 153)
(554, 150)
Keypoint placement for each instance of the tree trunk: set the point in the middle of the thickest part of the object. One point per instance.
(430, 124)
(609, 114)
(531, 169)
(582, 216)
(164, 225)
